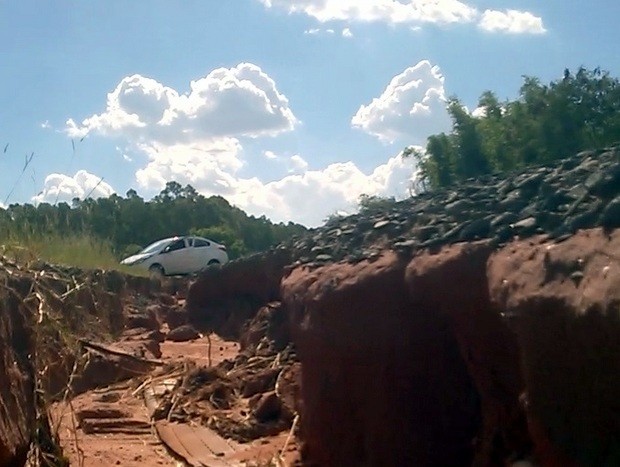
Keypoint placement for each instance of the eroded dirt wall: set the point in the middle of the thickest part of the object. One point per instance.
(383, 381)
(453, 284)
(223, 298)
(564, 301)
(17, 408)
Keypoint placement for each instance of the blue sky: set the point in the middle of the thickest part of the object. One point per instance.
(291, 109)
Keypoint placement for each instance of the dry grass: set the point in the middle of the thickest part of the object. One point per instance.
(79, 250)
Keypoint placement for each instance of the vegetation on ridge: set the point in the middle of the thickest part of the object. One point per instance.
(546, 122)
(117, 226)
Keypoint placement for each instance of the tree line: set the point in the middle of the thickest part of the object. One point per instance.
(130, 223)
(546, 122)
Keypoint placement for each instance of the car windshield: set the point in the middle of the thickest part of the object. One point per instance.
(155, 247)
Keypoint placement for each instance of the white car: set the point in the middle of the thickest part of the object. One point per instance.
(178, 255)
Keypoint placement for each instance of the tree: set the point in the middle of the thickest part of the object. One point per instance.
(546, 122)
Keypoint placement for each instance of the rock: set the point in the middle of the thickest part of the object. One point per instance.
(460, 206)
(267, 408)
(183, 333)
(504, 219)
(141, 318)
(610, 218)
(476, 229)
(260, 382)
(176, 317)
(525, 227)
(380, 224)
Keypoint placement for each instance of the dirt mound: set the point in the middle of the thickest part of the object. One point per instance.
(53, 321)
(564, 302)
(236, 398)
(579, 192)
(383, 382)
(16, 373)
(224, 298)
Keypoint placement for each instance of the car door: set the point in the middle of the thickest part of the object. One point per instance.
(200, 253)
(174, 257)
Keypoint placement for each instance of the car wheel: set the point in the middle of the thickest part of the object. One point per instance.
(212, 262)
(156, 271)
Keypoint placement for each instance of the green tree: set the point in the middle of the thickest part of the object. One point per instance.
(546, 122)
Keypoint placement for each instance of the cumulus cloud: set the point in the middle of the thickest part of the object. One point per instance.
(196, 138)
(297, 164)
(209, 166)
(412, 12)
(238, 101)
(346, 32)
(59, 187)
(511, 22)
(309, 198)
(392, 11)
(305, 196)
(412, 107)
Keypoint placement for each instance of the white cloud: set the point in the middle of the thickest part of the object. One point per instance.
(479, 112)
(297, 164)
(411, 12)
(391, 11)
(346, 32)
(310, 197)
(59, 187)
(227, 102)
(209, 167)
(511, 22)
(46, 125)
(411, 108)
(154, 120)
(319, 31)
(305, 196)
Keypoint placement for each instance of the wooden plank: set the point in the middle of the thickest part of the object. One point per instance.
(198, 445)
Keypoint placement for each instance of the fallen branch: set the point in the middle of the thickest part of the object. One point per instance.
(119, 353)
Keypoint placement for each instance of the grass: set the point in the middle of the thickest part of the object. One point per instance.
(78, 250)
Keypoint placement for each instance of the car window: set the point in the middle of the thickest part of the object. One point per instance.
(155, 247)
(199, 242)
(189, 241)
(176, 245)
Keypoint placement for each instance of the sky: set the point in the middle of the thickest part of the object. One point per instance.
(288, 109)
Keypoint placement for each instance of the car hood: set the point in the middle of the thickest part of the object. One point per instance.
(134, 259)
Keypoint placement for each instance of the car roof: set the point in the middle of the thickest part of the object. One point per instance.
(180, 237)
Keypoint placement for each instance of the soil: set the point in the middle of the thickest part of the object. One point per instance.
(478, 326)
(112, 425)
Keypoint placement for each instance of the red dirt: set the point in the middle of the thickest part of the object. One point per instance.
(383, 382)
(125, 436)
(466, 355)
(564, 302)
